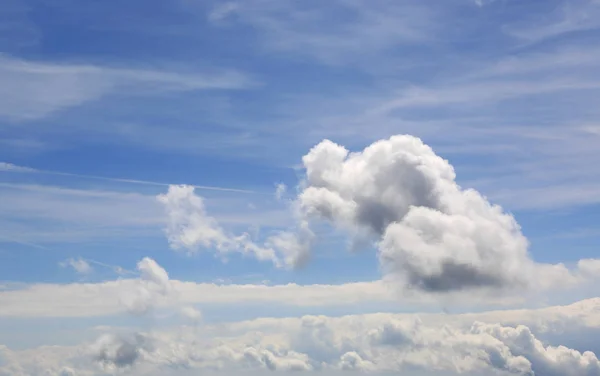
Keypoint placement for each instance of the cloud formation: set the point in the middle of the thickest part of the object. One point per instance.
(9, 167)
(190, 228)
(432, 234)
(145, 292)
(79, 265)
(377, 343)
(119, 351)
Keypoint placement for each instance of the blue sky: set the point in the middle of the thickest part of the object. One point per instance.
(232, 95)
(104, 105)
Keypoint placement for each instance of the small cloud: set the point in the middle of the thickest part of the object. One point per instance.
(280, 190)
(191, 313)
(79, 265)
(4, 166)
(152, 285)
(222, 281)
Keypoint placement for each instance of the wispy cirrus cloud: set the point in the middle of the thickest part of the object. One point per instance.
(33, 90)
(558, 18)
(10, 167)
(361, 28)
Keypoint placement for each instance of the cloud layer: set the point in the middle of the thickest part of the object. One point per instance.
(451, 344)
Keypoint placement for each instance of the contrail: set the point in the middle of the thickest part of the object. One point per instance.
(9, 167)
(117, 269)
(21, 242)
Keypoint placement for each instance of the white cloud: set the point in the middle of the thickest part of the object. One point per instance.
(154, 291)
(280, 190)
(432, 234)
(589, 267)
(411, 344)
(4, 166)
(118, 351)
(79, 265)
(108, 298)
(537, 357)
(153, 285)
(152, 272)
(46, 214)
(189, 227)
(191, 313)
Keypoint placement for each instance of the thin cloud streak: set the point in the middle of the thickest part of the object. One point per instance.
(21, 169)
(21, 242)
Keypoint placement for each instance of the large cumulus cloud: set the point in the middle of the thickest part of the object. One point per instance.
(432, 234)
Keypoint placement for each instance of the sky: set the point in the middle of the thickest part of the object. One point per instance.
(268, 186)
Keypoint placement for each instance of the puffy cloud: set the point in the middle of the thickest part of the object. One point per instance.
(396, 333)
(438, 344)
(153, 284)
(42, 361)
(293, 247)
(79, 265)
(191, 313)
(264, 358)
(353, 361)
(544, 360)
(191, 228)
(432, 234)
(120, 351)
(589, 267)
(152, 272)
